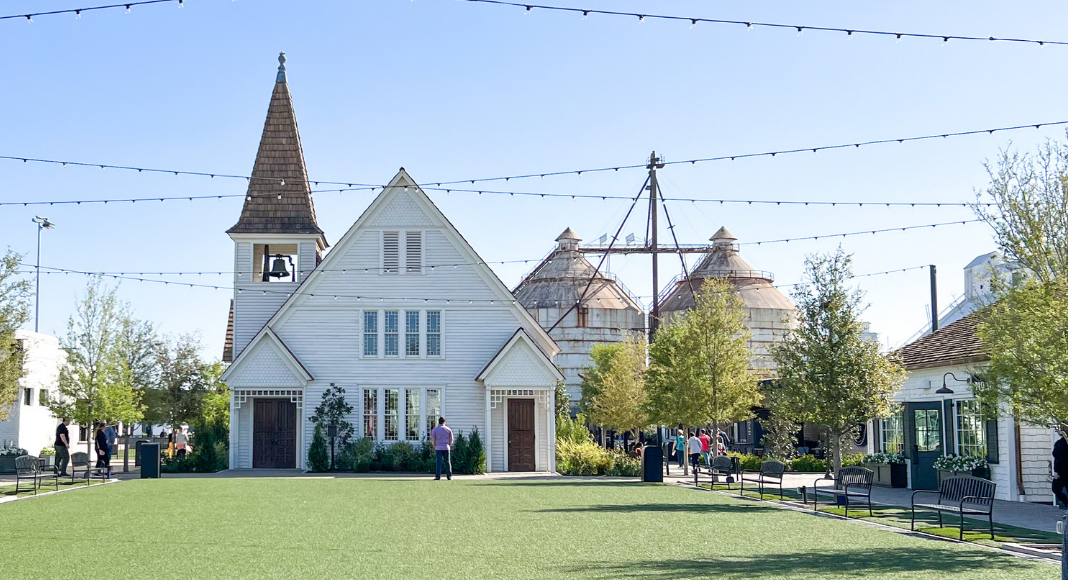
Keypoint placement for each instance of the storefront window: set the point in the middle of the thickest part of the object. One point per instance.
(971, 430)
(928, 430)
(893, 433)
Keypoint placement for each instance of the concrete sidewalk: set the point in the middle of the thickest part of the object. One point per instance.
(1033, 516)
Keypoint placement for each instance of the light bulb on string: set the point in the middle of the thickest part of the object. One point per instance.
(800, 29)
(693, 22)
(127, 8)
(77, 16)
(749, 26)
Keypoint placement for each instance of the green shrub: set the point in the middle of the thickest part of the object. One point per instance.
(426, 455)
(356, 455)
(459, 452)
(623, 466)
(476, 455)
(586, 458)
(573, 430)
(318, 460)
(748, 462)
(852, 460)
(808, 464)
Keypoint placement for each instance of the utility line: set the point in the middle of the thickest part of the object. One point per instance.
(77, 12)
(578, 172)
(750, 24)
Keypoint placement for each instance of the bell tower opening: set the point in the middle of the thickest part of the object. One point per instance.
(275, 262)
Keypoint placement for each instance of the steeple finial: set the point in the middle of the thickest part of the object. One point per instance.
(281, 78)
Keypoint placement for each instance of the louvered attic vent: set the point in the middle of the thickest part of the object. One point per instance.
(390, 252)
(413, 252)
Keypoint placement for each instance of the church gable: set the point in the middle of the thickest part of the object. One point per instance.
(402, 211)
(266, 363)
(520, 364)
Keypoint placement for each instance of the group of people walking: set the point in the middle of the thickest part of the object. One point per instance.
(698, 447)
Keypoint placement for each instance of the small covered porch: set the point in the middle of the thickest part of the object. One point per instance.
(520, 383)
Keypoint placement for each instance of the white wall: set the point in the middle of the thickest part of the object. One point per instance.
(33, 426)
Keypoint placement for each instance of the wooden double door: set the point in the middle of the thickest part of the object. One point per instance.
(274, 434)
(520, 434)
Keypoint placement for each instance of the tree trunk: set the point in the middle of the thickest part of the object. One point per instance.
(836, 449)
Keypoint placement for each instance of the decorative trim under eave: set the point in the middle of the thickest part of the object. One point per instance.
(242, 395)
(498, 395)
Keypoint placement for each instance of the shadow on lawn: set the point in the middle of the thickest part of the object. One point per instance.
(850, 562)
(562, 483)
(665, 507)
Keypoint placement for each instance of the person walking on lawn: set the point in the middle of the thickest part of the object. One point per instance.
(706, 446)
(62, 446)
(103, 452)
(111, 432)
(695, 450)
(680, 447)
(441, 437)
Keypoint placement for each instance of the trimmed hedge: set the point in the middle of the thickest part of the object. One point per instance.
(364, 455)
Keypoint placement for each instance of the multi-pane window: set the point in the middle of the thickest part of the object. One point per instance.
(392, 334)
(411, 333)
(433, 333)
(392, 422)
(971, 430)
(928, 429)
(893, 434)
(411, 414)
(370, 333)
(370, 413)
(433, 409)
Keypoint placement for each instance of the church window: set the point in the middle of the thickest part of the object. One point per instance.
(392, 336)
(370, 333)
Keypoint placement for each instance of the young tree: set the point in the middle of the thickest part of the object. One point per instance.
(182, 382)
(14, 312)
(91, 385)
(829, 374)
(699, 370)
(333, 410)
(1025, 330)
(619, 402)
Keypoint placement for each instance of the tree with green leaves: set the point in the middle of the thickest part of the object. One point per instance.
(614, 389)
(14, 312)
(828, 373)
(92, 385)
(332, 411)
(182, 381)
(699, 362)
(1025, 328)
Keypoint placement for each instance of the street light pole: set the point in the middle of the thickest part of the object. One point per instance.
(42, 224)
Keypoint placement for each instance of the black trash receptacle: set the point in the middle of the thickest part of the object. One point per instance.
(150, 460)
(137, 450)
(652, 464)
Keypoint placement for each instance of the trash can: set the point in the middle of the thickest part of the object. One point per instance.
(149, 460)
(137, 450)
(652, 464)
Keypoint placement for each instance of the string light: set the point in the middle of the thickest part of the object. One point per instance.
(883, 273)
(77, 12)
(860, 233)
(641, 18)
(354, 185)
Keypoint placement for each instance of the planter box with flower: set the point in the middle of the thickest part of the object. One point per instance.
(47, 458)
(7, 458)
(890, 469)
(950, 465)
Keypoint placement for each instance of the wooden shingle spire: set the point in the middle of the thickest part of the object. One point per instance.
(279, 199)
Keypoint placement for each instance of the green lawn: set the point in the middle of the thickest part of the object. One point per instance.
(417, 528)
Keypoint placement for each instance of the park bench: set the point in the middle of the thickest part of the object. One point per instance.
(961, 495)
(27, 469)
(723, 466)
(771, 473)
(80, 462)
(851, 483)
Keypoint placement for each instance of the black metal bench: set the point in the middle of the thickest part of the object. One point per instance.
(771, 473)
(851, 483)
(962, 495)
(80, 462)
(729, 468)
(27, 469)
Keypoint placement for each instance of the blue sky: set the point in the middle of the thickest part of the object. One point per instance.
(454, 90)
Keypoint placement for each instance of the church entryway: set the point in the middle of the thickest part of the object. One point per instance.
(274, 434)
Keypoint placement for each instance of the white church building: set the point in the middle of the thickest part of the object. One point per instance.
(401, 312)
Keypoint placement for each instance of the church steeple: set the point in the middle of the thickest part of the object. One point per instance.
(279, 199)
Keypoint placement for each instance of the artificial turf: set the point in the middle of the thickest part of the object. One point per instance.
(416, 528)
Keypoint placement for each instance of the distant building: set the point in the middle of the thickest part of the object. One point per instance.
(30, 425)
(769, 313)
(931, 424)
(608, 312)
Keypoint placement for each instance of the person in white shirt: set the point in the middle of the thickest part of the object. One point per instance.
(695, 449)
(181, 442)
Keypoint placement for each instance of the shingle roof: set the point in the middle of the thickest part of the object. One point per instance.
(228, 343)
(956, 343)
(279, 197)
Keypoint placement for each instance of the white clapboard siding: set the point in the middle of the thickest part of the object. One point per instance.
(306, 261)
(244, 436)
(253, 308)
